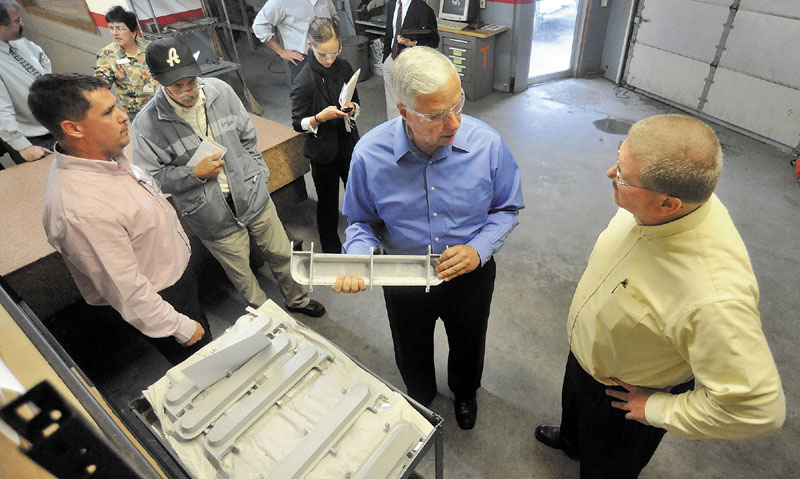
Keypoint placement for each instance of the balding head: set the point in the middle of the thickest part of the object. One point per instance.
(10, 20)
(678, 155)
(4, 6)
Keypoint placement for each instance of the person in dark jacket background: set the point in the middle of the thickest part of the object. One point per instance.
(316, 111)
(404, 16)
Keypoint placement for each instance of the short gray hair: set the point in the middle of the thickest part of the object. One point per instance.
(678, 155)
(5, 19)
(420, 71)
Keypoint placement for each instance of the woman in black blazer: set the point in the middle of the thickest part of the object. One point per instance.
(417, 15)
(316, 112)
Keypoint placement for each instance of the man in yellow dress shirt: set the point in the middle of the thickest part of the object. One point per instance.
(668, 297)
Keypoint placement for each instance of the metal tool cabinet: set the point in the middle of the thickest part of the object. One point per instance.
(472, 52)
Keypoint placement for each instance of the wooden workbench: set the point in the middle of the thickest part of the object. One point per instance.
(31, 266)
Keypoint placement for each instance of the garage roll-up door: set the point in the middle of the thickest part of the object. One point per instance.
(737, 61)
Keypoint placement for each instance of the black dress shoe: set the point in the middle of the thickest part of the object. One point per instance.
(550, 436)
(466, 412)
(315, 309)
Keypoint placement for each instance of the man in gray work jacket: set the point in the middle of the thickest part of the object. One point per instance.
(224, 197)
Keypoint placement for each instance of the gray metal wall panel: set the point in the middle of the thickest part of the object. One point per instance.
(685, 27)
(764, 46)
(765, 108)
(616, 38)
(593, 34)
(513, 47)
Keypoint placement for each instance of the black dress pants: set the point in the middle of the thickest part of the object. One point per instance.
(184, 297)
(463, 305)
(610, 446)
(100, 341)
(293, 69)
(326, 182)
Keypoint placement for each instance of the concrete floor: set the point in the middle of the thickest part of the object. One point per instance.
(564, 135)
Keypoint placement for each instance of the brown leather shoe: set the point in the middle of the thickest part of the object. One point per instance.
(550, 436)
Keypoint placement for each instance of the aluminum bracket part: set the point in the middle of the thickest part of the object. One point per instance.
(220, 440)
(330, 429)
(221, 397)
(247, 343)
(310, 268)
(403, 440)
(211, 369)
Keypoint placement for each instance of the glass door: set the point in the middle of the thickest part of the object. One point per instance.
(553, 35)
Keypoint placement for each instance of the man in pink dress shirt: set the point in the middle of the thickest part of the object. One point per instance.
(119, 237)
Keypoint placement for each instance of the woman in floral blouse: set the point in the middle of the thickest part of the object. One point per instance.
(122, 62)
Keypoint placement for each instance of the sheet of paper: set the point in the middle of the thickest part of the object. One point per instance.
(347, 94)
(491, 27)
(207, 147)
(349, 88)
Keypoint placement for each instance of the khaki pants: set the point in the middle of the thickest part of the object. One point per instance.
(233, 253)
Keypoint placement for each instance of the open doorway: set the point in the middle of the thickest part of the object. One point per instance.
(553, 35)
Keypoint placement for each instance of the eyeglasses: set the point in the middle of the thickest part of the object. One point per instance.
(438, 117)
(621, 181)
(190, 86)
(328, 55)
(118, 29)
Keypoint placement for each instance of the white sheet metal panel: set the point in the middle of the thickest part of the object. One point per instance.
(674, 77)
(685, 27)
(757, 105)
(765, 46)
(787, 8)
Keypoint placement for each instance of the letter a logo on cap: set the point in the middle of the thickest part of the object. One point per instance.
(172, 57)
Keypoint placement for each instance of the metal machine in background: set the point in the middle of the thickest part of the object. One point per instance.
(214, 55)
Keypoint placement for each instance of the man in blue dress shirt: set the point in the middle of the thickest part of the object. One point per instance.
(434, 177)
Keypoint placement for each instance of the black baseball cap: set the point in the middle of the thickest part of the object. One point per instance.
(171, 60)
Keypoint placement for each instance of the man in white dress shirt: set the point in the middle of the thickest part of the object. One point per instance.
(21, 62)
(290, 18)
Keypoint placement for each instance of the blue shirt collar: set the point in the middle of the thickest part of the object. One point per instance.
(403, 145)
